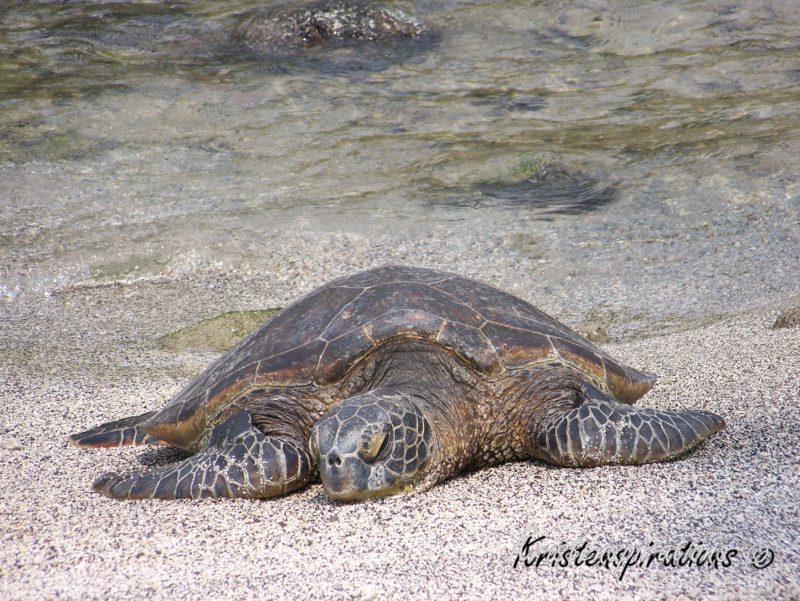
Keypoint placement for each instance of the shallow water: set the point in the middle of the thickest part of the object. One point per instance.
(628, 149)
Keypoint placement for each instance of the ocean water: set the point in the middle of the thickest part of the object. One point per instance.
(590, 143)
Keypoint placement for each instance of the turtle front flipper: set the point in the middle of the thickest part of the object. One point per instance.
(602, 431)
(238, 461)
(123, 432)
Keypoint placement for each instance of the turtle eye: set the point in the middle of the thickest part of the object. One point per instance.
(374, 444)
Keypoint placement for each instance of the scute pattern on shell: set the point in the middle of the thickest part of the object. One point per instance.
(317, 339)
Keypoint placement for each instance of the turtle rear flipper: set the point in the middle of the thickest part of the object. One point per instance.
(238, 461)
(119, 433)
(602, 431)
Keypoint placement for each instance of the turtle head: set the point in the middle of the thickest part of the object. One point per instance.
(372, 445)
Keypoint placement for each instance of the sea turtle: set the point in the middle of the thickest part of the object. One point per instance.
(394, 379)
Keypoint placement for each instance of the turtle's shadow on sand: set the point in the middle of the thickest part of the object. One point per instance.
(318, 498)
(160, 456)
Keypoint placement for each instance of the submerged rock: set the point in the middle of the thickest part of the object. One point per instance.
(594, 332)
(293, 28)
(551, 188)
(788, 318)
(217, 333)
(539, 182)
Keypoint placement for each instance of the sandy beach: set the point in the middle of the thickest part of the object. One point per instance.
(86, 355)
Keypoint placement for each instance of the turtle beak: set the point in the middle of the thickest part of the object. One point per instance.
(336, 479)
(347, 479)
(330, 472)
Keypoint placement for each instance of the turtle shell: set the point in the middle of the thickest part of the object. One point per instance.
(318, 338)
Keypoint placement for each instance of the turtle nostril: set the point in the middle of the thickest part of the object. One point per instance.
(334, 460)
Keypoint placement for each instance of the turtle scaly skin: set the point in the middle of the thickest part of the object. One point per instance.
(392, 380)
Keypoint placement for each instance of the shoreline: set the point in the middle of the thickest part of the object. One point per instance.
(78, 358)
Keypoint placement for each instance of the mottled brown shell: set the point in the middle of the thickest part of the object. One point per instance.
(319, 337)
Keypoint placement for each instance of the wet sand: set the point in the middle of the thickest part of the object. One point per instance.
(86, 355)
